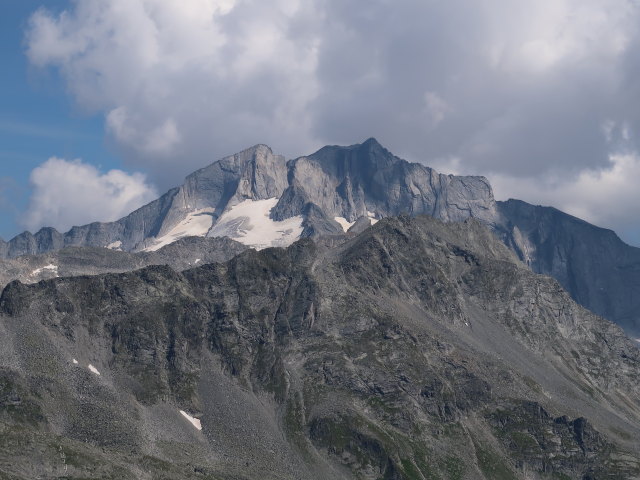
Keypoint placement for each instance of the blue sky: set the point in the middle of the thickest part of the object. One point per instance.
(540, 97)
(37, 119)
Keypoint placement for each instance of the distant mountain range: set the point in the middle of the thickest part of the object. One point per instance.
(260, 199)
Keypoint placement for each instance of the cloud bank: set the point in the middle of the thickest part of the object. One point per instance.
(68, 193)
(542, 93)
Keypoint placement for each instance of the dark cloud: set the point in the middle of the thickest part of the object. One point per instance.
(438, 83)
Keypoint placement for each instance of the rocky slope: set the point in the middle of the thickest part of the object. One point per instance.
(183, 254)
(414, 350)
(598, 269)
(366, 180)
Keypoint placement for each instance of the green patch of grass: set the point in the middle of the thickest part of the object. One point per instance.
(453, 467)
(16, 403)
(524, 443)
(452, 430)
(532, 384)
(410, 470)
(491, 464)
(156, 464)
(380, 405)
(427, 469)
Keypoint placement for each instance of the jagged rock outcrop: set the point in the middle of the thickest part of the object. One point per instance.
(394, 354)
(349, 182)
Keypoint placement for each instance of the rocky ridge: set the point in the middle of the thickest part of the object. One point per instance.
(254, 173)
(598, 269)
(260, 199)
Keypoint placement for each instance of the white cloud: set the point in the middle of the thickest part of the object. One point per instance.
(182, 83)
(183, 80)
(519, 88)
(68, 193)
(157, 140)
(437, 108)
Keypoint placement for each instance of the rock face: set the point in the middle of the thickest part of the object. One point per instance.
(414, 350)
(368, 181)
(255, 173)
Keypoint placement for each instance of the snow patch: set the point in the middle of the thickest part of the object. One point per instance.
(248, 222)
(195, 224)
(196, 261)
(51, 268)
(93, 369)
(75, 362)
(372, 217)
(344, 223)
(115, 245)
(194, 421)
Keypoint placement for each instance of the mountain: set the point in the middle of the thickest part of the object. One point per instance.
(414, 350)
(347, 183)
(261, 200)
(188, 210)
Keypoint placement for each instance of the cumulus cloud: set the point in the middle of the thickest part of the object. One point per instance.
(68, 193)
(184, 83)
(526, 90)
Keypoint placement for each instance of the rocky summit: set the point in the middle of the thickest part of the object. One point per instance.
(262, 200)
(415, 349)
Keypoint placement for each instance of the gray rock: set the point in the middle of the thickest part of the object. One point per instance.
(349, 182)
(254, 173)
(360, 225)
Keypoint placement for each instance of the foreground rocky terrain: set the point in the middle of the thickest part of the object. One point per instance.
(414, 350)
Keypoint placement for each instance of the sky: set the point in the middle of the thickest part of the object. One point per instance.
(106, 104)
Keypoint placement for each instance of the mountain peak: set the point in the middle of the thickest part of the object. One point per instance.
(257, 148)
(372, 143)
